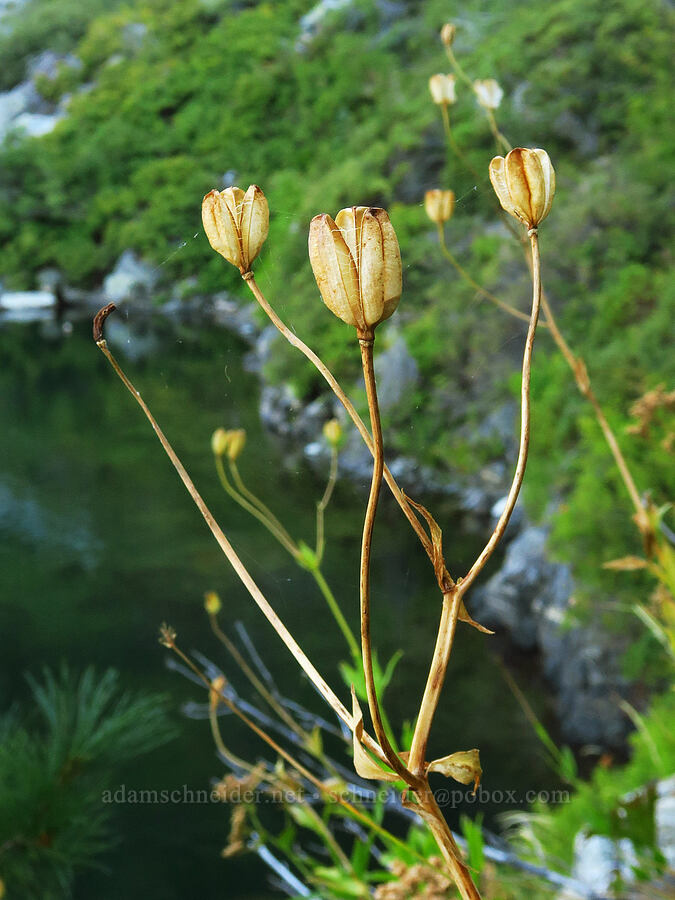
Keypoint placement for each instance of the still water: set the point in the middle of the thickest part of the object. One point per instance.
(99, 544)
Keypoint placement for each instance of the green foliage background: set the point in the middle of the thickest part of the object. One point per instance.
(158, 116)
(345, 118)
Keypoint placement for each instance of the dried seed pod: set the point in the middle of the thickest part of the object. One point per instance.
(236, 224)
(448, 32)
(488, 92)
(357, 265)
(442, 88)
(524, 182)
(439, 205)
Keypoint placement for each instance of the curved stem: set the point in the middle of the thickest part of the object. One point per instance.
(580, 372)
(454, 146)
(500, 140)
(435, 680)
(338, 615)
(240, 569)
(366, 345)
(300, 345)
(500, 527)
(256, 501)
(280, 535)
(458, 69)
(474, 284)
(323, 503)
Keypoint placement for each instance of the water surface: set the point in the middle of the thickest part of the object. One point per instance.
(99, 543)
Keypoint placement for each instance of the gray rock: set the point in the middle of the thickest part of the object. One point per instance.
(530, 598)
(664, 819)
(27, 300)
(238, 317)
(131, 279)
(397, 374)
(599, 859)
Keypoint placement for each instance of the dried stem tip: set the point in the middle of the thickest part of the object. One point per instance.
(524, 182)
(448, 32)
(439, 205)
(357, 265)
(442, 88)
(99, 319)
(236, 224)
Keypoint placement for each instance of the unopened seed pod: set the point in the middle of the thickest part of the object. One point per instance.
(357, 265)
(236, 224)
(448, 32)
(236, 443)
(439, 205)
(442, 89)
(524, 182)
(219, 441)
(332, 431)
(488, 92)
(212, 603)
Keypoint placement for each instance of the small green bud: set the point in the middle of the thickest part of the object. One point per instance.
(332, 431)
(236, 443)
(212, 603)
(220, 440)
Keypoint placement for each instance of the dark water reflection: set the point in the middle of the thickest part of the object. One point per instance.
(99, 543)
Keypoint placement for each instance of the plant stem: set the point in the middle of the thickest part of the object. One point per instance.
(500, 527)
(277, 532)
(300, 345)
(256, 501)
(500, 140)
(338, 615)
(366, 344)
(474, 284)
(323, 503)
(328, 792)
(440, 829)
(435, 679)
(276, 529)
(240, 569)
(580, 372)
(454, 146)
(262, 690)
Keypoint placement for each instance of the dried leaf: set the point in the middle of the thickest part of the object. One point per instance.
(463, 766)
(436, 542)
(364, 765)
(465, 617)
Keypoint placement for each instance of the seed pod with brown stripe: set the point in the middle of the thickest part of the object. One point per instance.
(524, 182)
(357, 265)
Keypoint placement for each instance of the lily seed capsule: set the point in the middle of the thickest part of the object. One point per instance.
(524, 182)
(236, 224)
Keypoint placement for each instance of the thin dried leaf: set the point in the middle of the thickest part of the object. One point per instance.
(364, 765)
(464, 616)
(436, 541)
